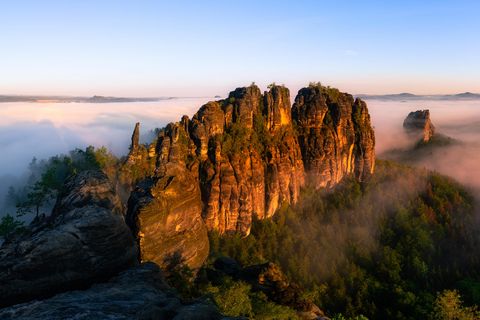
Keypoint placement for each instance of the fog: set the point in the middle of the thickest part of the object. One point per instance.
(42, 130)
(456, 119)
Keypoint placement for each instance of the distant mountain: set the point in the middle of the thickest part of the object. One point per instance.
(411, 96)
(64, 99)
(102, 99)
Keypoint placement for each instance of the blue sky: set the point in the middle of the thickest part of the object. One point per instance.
(203, 48)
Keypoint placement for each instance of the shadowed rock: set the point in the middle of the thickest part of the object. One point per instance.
(138, 293)
(84, 240)
(165, 211)
(418, 124)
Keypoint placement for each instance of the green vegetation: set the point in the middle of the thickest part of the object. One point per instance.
(235, 139)
(382, 249)
(422, 151)
(449, 306)
(237, 299)
(332, 93)
(437, 140)
(48, 176)
(8, 225)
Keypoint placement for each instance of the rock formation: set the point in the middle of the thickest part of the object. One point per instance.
(84, 240)
(137, 293)
(335, 135)
(164, 211)
(135, 148)
(242, 157)
(418, 124)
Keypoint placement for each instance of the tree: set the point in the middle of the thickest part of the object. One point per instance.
(449, 306)
(232, 298)
(11, 198)
(40, 194)
(8, 224)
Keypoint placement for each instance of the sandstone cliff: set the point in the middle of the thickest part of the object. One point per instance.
(239, 158)
(335, 135)
(419, 125)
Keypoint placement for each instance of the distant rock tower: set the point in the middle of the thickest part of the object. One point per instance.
(419, 123)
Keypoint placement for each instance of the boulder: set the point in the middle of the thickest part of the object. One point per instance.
(84, 240)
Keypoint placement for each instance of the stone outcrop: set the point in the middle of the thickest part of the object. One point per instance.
(164, 211)
(419, 125)
(84, 240)
(135, 147)
(242, 157)
(137, 293)
(335, 135)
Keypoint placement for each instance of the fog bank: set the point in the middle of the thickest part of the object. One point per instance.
(43, 130)
(457, 119)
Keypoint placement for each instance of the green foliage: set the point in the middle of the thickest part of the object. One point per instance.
(48, 176)
(236, 299)
(266, 310)
(449, 306)
(232, 298)
(235, 139)
(8, 225)
(381, 249)
(470, 290)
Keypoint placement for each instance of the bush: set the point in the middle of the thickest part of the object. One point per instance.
(232, 298)
(449, 306)
(8, 225)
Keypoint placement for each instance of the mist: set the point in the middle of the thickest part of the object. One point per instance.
(459, 120)
(42, 130)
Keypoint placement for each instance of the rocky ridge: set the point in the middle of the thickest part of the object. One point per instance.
(136, 293)
(84, 240)
(240, 158)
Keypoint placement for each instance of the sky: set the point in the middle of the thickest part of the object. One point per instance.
(205, 48)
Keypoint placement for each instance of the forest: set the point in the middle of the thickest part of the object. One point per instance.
(402, 245)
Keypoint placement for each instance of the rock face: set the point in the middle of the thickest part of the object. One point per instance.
(418, 123)
(165, 211)
(335, 135)
(137, 293)
(135, 149)
(242, 157)
(84, 240)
